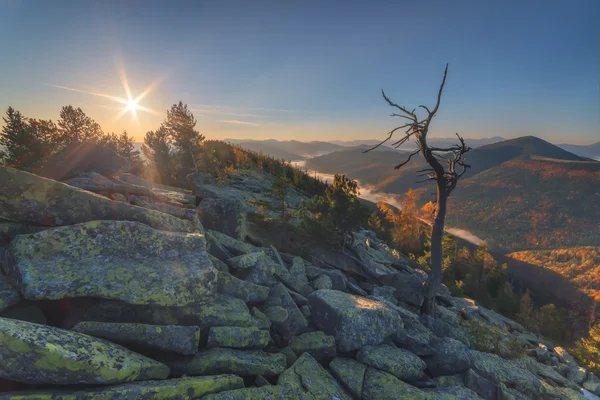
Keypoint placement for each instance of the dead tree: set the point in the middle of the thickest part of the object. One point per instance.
(446, 166)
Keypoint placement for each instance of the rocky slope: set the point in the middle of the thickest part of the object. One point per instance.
(116, 288)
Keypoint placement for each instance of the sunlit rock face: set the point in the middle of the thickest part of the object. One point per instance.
(117, 260)
(354, 321)
(32, 199)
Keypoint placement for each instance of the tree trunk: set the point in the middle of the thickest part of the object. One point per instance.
(435, 264)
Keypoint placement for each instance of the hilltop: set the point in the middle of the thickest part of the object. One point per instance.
(117, 287)
(519, 194)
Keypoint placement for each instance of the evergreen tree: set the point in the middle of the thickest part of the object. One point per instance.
(180, 127)
(157, 148)
(26, 142)
(75, 126)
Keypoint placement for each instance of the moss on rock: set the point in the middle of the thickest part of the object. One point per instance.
(247, 291)
(308, 375)
(380, 385)
(317, 344)
(220, 360)
(30, 198)
(354, 321)
(262, 393)
(399, 362)
(171, 389)
(39, 354)
(119, 260)
(237, 337)
(350, 373)
(178, 339)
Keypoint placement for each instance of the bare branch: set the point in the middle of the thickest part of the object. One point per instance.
(439, 97)
(404, 110)
(426, 108)
(390, 134)
(407, 161)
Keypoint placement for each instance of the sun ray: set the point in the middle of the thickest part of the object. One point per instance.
(107, 96)
(131, 104)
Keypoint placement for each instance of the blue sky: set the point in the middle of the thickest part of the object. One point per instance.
(311, 70)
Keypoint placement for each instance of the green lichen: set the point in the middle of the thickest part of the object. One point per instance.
(354, 321)
(220, 360)
(262, 393)
(308, 375)
(114, 260)
(172, 389)
(399, 362)
(350, 373)
(380, 385)
(31, 198)
(317, 344)
(179, 339)
(237, 337)
(33, 353)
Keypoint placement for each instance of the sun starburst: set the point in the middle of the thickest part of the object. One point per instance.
(130, 104)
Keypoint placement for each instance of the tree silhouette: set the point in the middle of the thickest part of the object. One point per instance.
(446, 166)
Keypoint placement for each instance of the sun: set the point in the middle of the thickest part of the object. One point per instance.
(131, 105)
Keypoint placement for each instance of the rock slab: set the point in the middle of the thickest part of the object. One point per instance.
(118, 260)
(39, 354)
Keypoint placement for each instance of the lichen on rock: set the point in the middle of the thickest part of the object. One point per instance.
(38, 354)
(118, 260)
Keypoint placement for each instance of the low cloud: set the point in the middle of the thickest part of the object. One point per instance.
(238, 122)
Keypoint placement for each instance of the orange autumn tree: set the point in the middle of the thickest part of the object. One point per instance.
(405, 225)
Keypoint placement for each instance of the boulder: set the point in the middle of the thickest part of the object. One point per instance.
(178, 339)
(458, 392)
(499, 370)
(380, 385)
(30, 198)
(317, 344)
(271, 392)
(200, 178)
(338, 279)
(183, 388)
(484, 387)
(237, 337)
(9, 296)
(577, 375)
(246, 261)
(294, 321)
(219, 311)
(409, 287)
(354, 321)
(94, 182)
(401, 363)
(298, 269)
(38, 354)
(221, 360)
(450, 357)
(592, 383)
(350, 373)
(263, 322)
(249, 292)
(118, 260)
(308, 375)
(78, 158)
(322, 282)
(234, 246)
(228, 216)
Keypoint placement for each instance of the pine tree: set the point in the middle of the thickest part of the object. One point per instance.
(180, 127)
(75, 126)
(26, 142)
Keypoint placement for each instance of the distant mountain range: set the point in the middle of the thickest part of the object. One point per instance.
(294, 150)
(520, 194)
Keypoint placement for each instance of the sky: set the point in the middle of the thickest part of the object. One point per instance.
(309, 70)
